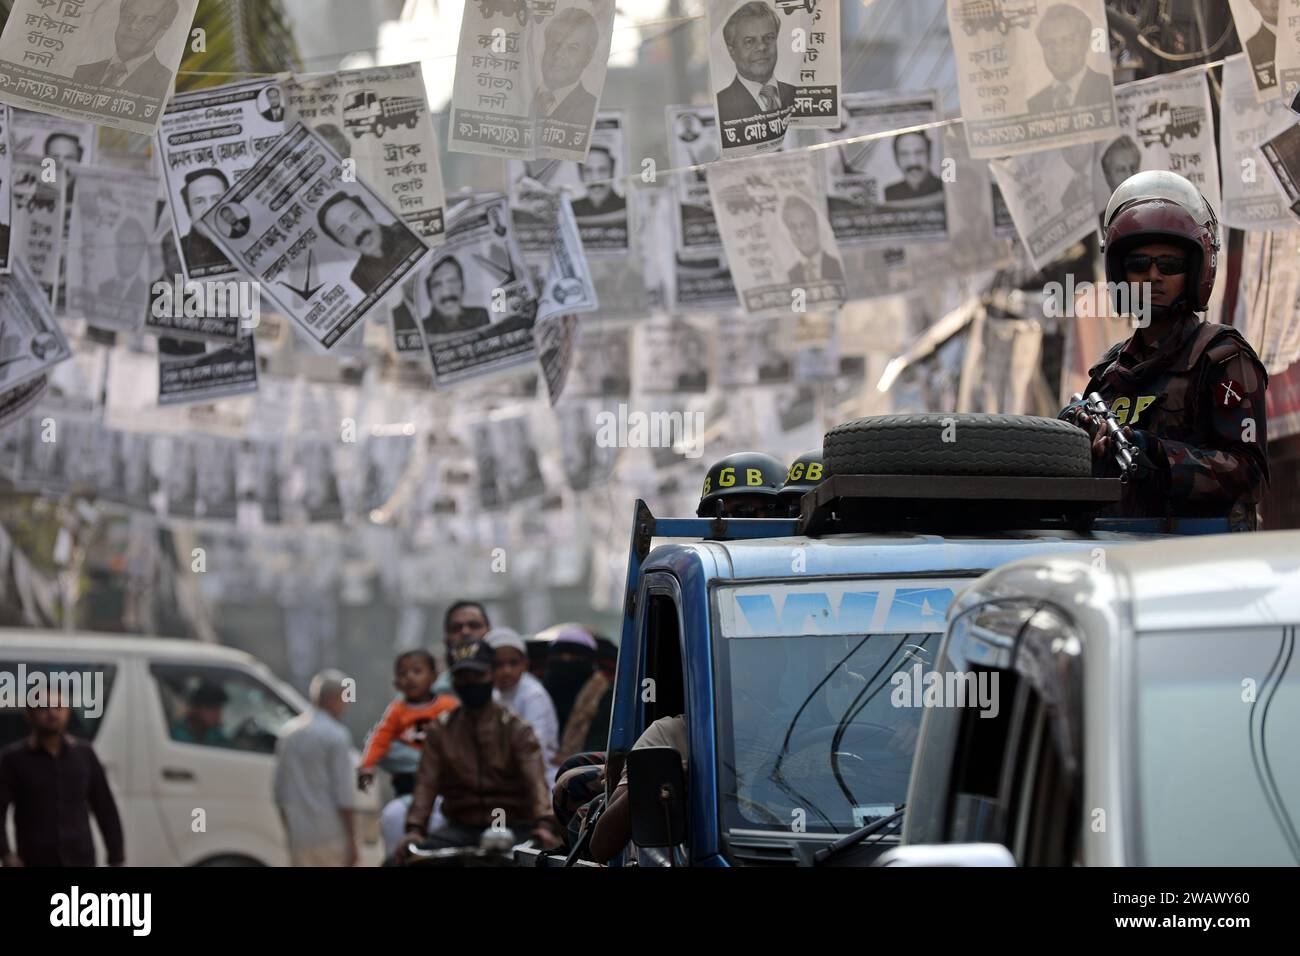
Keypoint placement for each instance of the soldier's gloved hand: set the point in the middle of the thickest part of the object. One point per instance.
(1149, 452)
(1144, 444)
(1077, 414)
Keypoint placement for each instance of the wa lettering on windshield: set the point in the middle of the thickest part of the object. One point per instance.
(836, 607)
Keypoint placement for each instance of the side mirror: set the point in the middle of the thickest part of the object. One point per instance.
(656, 788)
(948, 854)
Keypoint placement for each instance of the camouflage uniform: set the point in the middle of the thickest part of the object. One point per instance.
(1199, 399)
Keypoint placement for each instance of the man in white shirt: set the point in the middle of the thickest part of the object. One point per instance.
(315, 780)
(523, 693)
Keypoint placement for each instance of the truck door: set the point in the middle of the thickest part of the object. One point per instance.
(659, 687)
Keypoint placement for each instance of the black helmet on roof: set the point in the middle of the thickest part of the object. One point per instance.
(747, 482)
(806, 473)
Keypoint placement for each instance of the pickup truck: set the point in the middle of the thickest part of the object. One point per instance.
(788, 645)
(366, 112)
(1144, 694)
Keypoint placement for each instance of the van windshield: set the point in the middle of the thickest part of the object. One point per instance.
(816, 721)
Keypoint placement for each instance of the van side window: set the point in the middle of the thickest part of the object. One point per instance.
(88, 690)
(220, 707)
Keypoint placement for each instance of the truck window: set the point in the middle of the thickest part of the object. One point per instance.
(92, 699)
(220, 707)
(663, 659)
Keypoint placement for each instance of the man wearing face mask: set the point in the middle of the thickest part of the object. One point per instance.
(481, 758)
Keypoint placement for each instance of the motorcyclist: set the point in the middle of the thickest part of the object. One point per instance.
(744, 485)
(1188, 393)
(485, 763)
(805, 474)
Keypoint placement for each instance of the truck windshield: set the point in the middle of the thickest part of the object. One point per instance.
(816, 730)
(1218, 717)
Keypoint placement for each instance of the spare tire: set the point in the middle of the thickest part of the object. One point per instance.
(1002, 445)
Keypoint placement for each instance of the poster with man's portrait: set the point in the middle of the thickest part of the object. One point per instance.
(974, 244)
(601, 362)
(31, 341)
(325, 247)
(70, 144)
(36, 235)
(601, 196)
(778, 239)
(474, 299)
(570, 55)
(1032, 75)
(1052, 196)
(111, 255)
(207, 141)
(509, 469)
(1166, 123)
(1281, 154)
(753, 91)
(1287, 58)
(379, 118)
(672, 355)
(1257, 27)
(890, 189)
(692, 145)
(1254, 202)
(111, 63)
(528, 82)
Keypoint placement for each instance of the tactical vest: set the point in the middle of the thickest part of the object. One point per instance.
(1173, 403)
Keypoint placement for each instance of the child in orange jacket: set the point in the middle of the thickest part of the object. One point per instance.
(400, 731)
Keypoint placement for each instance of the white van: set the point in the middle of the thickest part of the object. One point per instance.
(159, 778)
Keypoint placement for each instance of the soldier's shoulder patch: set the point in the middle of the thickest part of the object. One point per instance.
(1228, 393)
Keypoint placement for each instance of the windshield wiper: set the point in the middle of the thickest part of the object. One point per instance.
(857, 836)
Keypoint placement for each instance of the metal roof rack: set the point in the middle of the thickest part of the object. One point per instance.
(975, 503)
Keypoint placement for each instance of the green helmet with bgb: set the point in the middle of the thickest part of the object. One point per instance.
(744, 485)
(806, 473)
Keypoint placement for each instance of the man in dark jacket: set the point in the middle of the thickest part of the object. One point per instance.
(485, 763)
(54, 782)
(1188, 393)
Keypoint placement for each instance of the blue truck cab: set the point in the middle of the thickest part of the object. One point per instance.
(796, 650)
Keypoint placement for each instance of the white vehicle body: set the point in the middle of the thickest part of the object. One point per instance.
(1155, 669)
(181, 804)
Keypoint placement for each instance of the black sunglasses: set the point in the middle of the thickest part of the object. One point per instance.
(1139, 263)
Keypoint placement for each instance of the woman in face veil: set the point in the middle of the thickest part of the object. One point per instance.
(569, 666)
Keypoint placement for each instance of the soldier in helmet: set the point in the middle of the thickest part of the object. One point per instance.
(744, 485)
(1189, 393)
(805, 474)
